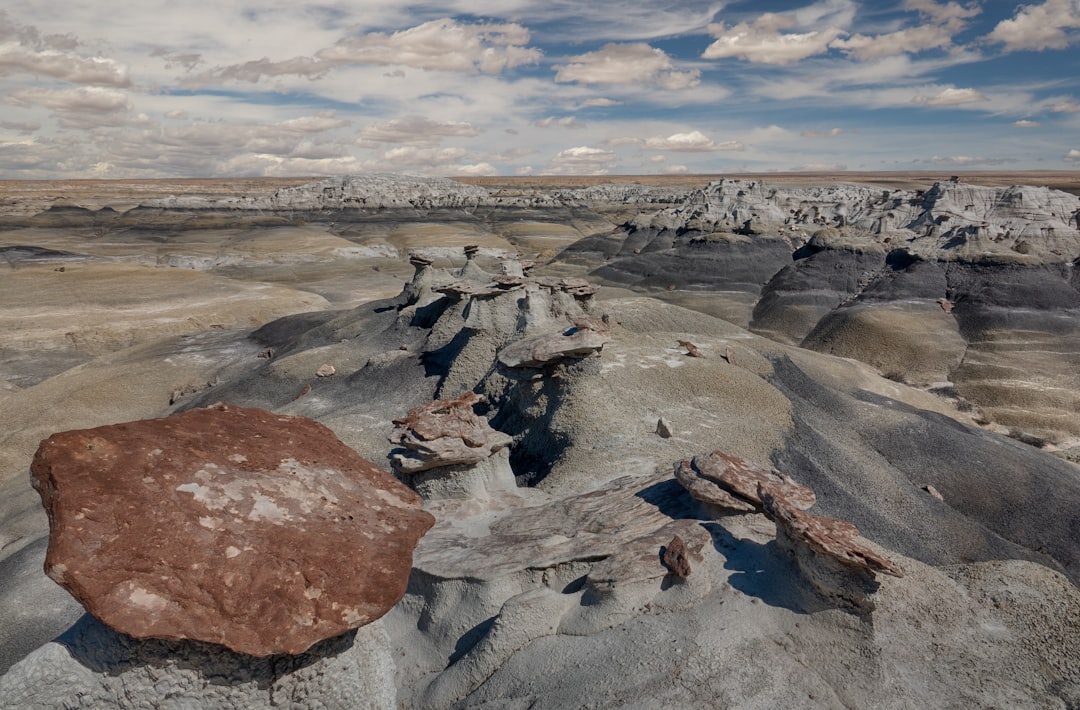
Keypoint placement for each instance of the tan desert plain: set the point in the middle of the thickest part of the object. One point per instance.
(384, 441)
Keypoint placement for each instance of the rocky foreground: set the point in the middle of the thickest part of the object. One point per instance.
(652, 481)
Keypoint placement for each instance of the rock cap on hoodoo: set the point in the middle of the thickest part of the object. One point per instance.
(257, 531)
(445, 432)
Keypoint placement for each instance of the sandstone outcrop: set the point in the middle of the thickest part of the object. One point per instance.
(829, 536)
(825, 549)
(734, 483)
(256, 531)
(707, 491)
(827, 552)
(584, 339)
(445, 433)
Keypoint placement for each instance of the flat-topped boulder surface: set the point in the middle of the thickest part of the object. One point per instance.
(257, 531)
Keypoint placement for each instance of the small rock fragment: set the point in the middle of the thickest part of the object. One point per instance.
(326, 370)
(946, 305)
(187, 389)
(691, 349)
(729, 355)
(597, 325)
(675, 558)
(266, 354)
(641, 559)
(663, 429)
(933, 492)
(303, 391)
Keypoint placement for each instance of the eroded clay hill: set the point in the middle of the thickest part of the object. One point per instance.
(969, 291)
(636, 503)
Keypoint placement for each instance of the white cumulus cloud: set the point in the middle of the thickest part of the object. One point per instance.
(98, 71)
(968, 160)
(418, 130)
(1038, 27)
(1064, 106)
(781, 38)
(692, 142)
(601, 102)
(951, 97)
(943, 12)
(565, 122)
(635, 63)
(440, 45)
(82, 107)
(582, 160)
(1073, 156)
(767, 47)
(911, 41)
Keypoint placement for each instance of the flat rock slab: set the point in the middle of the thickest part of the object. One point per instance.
(257, 531)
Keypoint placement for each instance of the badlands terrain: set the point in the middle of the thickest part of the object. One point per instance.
(616, 357)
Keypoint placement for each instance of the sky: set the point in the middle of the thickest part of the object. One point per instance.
(231, 88)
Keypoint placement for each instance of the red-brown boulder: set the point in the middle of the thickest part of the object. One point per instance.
(257, 531)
